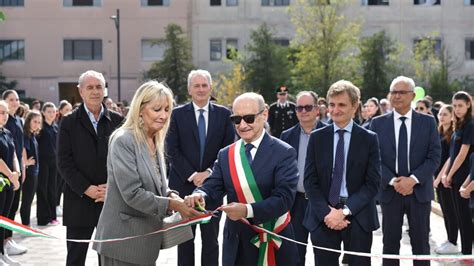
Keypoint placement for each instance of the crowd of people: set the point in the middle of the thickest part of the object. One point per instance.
(326, 162)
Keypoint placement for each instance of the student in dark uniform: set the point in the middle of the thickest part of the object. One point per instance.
(30, 153)
(46, 192)
(15, 126)
(282, 114)
(9, 177)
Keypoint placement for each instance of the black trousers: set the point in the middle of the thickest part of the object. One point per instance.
(210, 245)
(418, 220)
(59, 188)
(6, 200)
(14, 207)
(354, 238)
(77, 252)
(446, 201)
(301, 233)
(463, 216)
(46, 191)
(28, 190)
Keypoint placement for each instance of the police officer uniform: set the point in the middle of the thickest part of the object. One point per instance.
(281, 116)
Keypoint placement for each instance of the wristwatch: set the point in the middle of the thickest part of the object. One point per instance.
(345, 211)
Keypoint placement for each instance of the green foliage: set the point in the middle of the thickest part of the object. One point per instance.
(325, 42)
(176, 63)
(378, 55)
(230, 85)
(2, 16)
(266, 66)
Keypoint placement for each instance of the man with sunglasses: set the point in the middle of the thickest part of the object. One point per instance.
(307, 112)
(258, 173)
(342, 175)
(281, 115)
(198, 130)
(411, 152)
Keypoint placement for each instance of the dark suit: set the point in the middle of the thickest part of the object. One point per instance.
(82, 161)
(362, 181)
(182, 144)
(281, 118)
(292, 137)
(276, 175)
(424, 157)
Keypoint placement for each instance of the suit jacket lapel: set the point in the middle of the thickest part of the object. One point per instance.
(352, 153)
(329, 146)
(296, 138)
(191, 120)
(391, 132)
(260, 158)
(414, 132)
(164, 183)
(85, 121)
(211, 123)
(150, 166)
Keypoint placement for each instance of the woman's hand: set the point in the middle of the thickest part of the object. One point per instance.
(185, 211)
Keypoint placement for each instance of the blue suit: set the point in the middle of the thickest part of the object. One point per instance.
(362, 182)
(292, 137)
(424, 158)
(182, 143)
(275, 171)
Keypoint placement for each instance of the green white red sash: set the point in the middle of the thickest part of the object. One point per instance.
(248, 192)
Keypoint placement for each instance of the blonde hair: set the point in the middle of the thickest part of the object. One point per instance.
(146, 93)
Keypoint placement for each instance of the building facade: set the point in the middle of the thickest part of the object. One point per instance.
(45, 45)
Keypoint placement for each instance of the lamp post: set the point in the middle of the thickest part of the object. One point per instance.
(116, 19)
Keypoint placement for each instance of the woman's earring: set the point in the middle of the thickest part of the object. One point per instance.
(140, 121)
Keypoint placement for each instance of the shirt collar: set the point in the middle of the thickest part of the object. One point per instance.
(206, 107)
(283, 104)
(348, 128)
(91, 115)
(257, 142)
(397, 115)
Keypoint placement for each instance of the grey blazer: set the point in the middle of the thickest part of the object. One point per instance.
(135, 203)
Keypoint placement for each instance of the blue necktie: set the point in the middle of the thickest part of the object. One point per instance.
(248, 148)
(202, 135)
(403, 149)
(338, 171)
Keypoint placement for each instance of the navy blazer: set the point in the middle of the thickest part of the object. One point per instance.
(292, 135)
(182, 143)
(425, 154)
(363, 175)
(276, 174)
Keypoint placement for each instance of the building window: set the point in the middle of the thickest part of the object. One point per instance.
(82, 2)
(11, 3)
(215, 2)
(436, 45)
(470, 49)
(469, 2)
(152, 50)
(231, 48)
(82, 50)
(232, 2)
(275, 2)
(375, 2)
(155, 2)
(427, 2)
(216, 50)
(282, 42)
(12, 50)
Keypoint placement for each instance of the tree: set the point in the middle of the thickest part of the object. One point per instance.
(325, 41)
(378, 57)
(230, 85)
(6, 85)
(266, 66)
(176, 63)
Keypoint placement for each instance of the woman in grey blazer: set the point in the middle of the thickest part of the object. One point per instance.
(138, 197)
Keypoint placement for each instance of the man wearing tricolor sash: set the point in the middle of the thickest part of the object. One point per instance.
(258, 173)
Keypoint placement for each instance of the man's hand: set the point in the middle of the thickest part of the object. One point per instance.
(199, 178)
(404, 185)
(93, 192)
(235, 211)
(102, 189)
(195, 199)
(335, 220)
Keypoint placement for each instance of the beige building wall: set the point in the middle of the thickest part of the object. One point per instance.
(43, 25)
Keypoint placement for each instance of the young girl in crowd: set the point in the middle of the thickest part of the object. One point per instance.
(15, 126)
(46, 191)
(9, 176)
(458, 165)
(372, 107)
(30, 153)
(445, 194)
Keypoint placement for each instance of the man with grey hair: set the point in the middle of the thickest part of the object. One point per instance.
(410, 150)
(258, 173)
(198, 130)
(82, 162)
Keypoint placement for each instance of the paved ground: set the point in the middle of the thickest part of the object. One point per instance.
(53, 252)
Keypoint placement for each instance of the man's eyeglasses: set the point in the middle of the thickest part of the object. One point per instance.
(307, 108)
(401, 92)
(249, 119)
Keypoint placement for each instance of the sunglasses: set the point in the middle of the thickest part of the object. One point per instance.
(282, 93)
(307, 108)
(249, 119)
